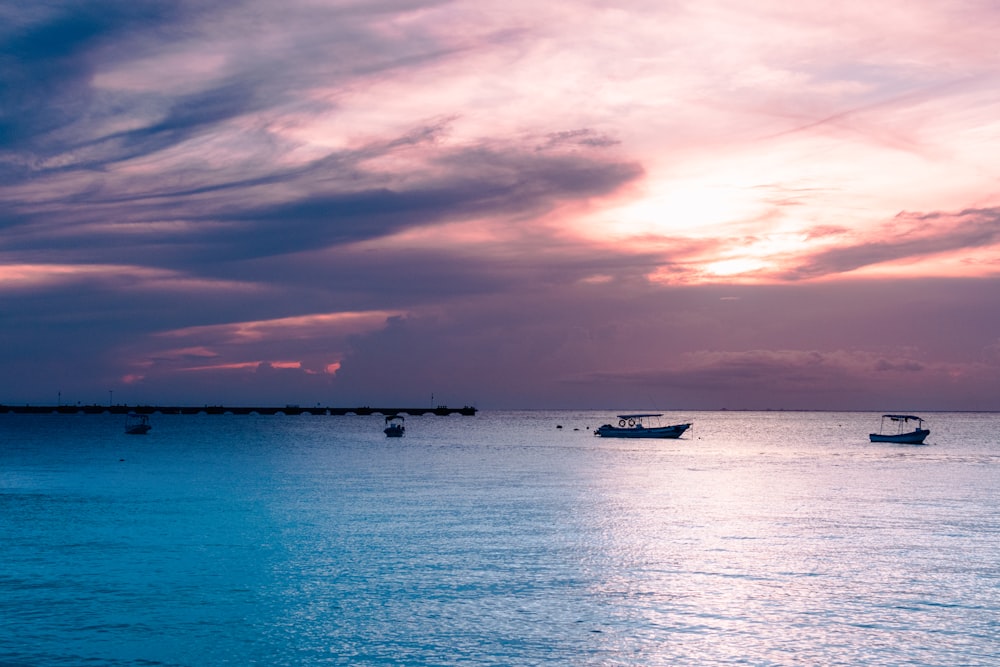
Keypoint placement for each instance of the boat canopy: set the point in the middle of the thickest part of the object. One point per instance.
(902, 418)
(646, 414)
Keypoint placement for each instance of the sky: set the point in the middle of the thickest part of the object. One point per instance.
(674, 205)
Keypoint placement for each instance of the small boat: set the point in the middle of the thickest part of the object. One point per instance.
(898, 430)
(632, 426)
(394, 426)
(137, 424)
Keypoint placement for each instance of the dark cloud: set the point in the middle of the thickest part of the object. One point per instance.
(909, 366)
(475, 183)
(184, 118)
(581, 137)
(49, 55)
(54, 118)
(207, 219)
(479, 184)
(514, 342)
(610, 346)
(909, 237)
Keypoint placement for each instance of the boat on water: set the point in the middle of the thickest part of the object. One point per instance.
(632, 426)
(394, 426)
(897, 428)
(137, 424)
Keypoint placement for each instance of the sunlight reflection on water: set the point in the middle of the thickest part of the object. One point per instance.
(761, 538)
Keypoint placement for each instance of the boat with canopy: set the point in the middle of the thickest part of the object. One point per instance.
(897, 428)
(633, 426)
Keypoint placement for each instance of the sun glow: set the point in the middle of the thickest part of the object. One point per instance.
(735, 267)
(689, 208)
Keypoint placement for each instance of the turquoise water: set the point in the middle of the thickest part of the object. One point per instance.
(759, 538)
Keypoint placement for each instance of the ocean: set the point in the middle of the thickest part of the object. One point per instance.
(759, 538)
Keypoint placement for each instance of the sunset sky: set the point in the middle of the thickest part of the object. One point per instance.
(563, 204)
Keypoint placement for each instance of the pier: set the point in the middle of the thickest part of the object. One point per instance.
(441, 410)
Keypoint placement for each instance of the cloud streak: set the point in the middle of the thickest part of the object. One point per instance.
(908, 238)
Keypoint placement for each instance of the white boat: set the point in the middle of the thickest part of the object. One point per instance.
(632, 426)
(896, 428)
(137, 424)
(394, 426)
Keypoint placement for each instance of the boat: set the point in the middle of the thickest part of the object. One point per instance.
(896, 428)
(394, 426)
(632, 426)
(137, 424)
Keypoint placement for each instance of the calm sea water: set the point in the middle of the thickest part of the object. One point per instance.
(758, 538)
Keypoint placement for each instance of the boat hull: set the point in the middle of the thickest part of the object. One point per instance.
(394, 432)
(912, 438)
(663, 432)
(137, 425)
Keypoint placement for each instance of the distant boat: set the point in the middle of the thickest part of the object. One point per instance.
(632, 426)
(896, 428)
(394, 426)
(137, 424)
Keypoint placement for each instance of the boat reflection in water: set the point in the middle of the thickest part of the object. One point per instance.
(632, 426)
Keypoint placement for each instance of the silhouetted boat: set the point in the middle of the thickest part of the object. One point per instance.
(137, 424)
(632, 426)
(394, 426)
(898, 427)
